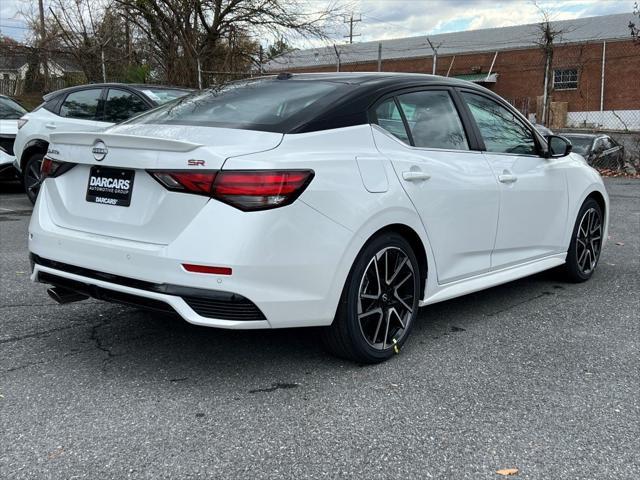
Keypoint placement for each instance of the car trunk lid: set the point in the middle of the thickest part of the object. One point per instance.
(153, 214)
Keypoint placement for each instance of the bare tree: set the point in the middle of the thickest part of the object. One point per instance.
(548, 35)
(211, 34)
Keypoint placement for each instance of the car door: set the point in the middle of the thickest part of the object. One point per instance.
(451, 186)
(610, 154)
(120, 105)
(533, 189)
(81, 110)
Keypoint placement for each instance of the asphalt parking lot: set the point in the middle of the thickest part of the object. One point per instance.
(537, 375)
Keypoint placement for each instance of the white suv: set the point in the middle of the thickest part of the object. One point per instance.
(10, 112)
(83, 108)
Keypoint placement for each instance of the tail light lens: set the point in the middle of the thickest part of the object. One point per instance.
(53, 168)
(247, 190)
(185, 181)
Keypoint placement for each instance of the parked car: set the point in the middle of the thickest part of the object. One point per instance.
(84, 108)
(342, 201)
(10, 112)
(544, 131)
(599, 150)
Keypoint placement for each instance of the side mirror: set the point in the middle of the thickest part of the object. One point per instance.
(558, 146)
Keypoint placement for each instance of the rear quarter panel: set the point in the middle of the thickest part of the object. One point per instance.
(338, 189)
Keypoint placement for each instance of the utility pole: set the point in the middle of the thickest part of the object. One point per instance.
(43, 34)
(351, 21)
(435, 55)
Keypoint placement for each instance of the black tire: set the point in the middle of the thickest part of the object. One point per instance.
(584, 250)
(31, 176)
(354, 335)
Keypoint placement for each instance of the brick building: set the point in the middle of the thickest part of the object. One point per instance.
(596, 66)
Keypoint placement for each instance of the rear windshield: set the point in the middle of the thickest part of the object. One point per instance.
(164, 95)
(265, 104)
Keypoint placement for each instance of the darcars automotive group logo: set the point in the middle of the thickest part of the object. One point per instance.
(99, 150)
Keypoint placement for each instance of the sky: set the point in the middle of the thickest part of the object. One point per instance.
(384, 19)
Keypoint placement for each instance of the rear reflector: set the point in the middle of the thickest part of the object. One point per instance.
(189, 267)
(244, 189)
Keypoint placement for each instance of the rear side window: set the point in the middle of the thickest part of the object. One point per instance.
(122, 105)
(501, 130)
(390, 119)
(269, 105)
(433, 120)
(82, 104)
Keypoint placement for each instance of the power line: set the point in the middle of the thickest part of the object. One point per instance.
(351, 21)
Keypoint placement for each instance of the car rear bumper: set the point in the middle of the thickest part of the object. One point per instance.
(290, 268)
(197, 306)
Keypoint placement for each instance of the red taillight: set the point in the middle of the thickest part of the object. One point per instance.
(46, 167)
(186, 181)
(244, 189)
(260, 189)
(53, 168)
(189, 267)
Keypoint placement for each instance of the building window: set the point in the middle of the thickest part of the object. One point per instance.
(565, 79)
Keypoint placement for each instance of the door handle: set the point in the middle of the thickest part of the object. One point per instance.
(412, 176)
(507, 178)
(50, 125)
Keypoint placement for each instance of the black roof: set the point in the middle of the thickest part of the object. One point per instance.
(371, 79)
(352, 108)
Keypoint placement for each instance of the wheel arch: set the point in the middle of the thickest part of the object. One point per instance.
(37, 145)
(599, 198)
(411, 236)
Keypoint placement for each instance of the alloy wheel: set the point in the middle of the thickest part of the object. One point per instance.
(386, 298)
(32, 178)
(588, 241)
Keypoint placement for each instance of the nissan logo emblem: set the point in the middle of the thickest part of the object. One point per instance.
(99, 150)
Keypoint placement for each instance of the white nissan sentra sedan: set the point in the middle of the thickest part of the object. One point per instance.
(343, 201)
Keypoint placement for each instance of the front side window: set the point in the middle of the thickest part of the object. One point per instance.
(82, 104)
(121, 105)
(433, 120)
(501, 130)
(565, 79)
(390, 119)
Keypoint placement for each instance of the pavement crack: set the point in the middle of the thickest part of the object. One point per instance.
(94, 337)
(275, 386)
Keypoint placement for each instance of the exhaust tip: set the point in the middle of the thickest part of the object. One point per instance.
(64, 295)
